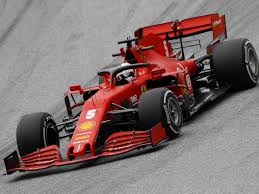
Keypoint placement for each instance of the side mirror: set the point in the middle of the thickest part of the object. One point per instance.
(157, 73)
(76, 87)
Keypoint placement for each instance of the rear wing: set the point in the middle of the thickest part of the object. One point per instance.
(189, 27)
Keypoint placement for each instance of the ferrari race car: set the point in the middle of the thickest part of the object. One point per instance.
(142, 102)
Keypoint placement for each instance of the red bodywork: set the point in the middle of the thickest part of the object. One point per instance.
(163, 63)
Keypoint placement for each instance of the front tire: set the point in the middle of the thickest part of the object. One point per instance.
(36, 131)
(236, 62)
(160, 105)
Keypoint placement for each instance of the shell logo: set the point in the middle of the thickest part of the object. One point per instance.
(86, 125)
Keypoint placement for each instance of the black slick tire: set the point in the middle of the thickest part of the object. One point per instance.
(160, 105)
(36, 131)
(236, 62)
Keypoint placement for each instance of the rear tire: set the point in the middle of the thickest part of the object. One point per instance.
(236, 62)
(36, 131)
(153, 105)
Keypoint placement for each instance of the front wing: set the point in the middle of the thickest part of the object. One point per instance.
(117, 143)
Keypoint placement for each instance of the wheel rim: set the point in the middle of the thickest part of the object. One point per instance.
(173, 110)
(252, 62)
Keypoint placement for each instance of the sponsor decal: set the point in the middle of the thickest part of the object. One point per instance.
(86, 125)
(84, 133)
(143, 88)
(188, 81)
(82, 137)
(216, 23)
(78, 142)
(134, 98)
(90, 114)
(142, 72)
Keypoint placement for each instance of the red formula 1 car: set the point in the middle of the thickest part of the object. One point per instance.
(142, 102)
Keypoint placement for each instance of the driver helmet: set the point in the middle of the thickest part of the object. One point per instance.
(126, 73)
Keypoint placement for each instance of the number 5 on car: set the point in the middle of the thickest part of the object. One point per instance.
(90, 114)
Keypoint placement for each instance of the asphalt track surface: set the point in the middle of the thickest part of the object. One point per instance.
(45, 45)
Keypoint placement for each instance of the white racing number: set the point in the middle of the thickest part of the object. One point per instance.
(90, 114)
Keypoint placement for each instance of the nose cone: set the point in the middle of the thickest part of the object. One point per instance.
(87, 129)
(83, 138)
(88, 125)
(79, 150)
